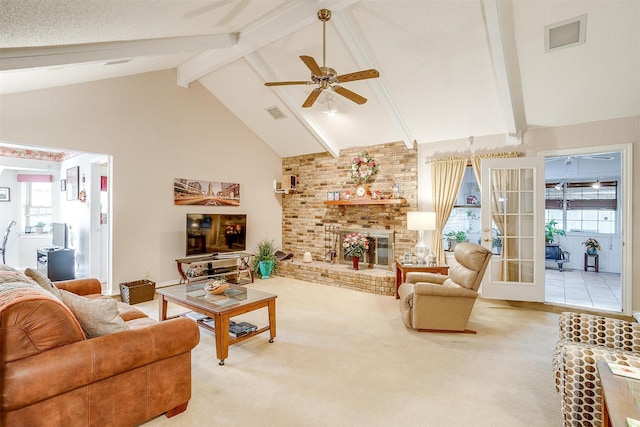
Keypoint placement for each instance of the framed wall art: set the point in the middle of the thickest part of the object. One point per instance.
(5, 194)
(72, 182)
(210, 193)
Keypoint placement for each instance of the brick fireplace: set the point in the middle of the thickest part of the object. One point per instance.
(305, 216)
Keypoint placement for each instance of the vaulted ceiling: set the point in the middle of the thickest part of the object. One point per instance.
(449, 69)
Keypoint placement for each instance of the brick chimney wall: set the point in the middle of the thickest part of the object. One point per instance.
(304, 214)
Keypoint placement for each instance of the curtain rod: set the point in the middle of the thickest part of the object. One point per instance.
(505, 155)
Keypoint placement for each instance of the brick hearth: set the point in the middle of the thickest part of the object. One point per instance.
(373, 280)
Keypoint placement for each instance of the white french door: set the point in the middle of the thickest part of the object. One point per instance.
(513, 208)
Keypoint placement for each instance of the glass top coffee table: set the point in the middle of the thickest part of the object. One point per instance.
(221, 308)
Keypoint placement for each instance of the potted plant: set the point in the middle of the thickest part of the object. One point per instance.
(40, 227)
(265, 261)
(592, 246)
(551, 230)
(455, 237)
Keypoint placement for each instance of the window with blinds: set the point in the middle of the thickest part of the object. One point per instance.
(38, 209)
(577, 206)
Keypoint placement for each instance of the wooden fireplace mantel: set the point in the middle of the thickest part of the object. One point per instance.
(365, 201)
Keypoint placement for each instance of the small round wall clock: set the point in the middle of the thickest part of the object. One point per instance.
(362, 190)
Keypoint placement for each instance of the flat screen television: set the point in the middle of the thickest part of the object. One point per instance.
(210, 233)
(60, 235)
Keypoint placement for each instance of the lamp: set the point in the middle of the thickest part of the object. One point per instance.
(559, 186)
(421, 221)
(331, 110)
(596, 185)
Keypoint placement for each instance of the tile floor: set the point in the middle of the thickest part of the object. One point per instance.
(584, 289)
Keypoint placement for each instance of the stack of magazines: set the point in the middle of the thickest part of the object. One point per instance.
(242, 328)
(235, 329)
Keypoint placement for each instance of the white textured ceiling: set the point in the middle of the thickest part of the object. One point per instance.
(449, 69)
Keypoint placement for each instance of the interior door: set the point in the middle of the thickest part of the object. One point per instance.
(513, 212)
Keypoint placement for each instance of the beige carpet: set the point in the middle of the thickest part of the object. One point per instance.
(344, 358)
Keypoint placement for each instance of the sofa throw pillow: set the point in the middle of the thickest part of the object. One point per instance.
(97, 317)
(43, 281)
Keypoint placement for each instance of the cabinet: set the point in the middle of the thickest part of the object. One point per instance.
(234, 267)
(57, 264)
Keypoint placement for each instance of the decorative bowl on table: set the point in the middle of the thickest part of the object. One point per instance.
(216, 287)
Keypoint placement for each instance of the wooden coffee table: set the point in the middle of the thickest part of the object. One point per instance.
(234, 301)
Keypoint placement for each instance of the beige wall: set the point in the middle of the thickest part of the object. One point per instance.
(582, 136)
(155, 131)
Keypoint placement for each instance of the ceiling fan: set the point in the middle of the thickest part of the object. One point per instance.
(326, 77)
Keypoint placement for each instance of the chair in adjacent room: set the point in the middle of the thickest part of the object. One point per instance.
(3, 249)
(443, 303)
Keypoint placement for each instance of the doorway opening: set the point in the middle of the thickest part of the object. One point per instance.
(585, 206)
(83, 205)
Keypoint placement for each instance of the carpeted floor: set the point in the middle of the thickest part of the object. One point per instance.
(344, 358)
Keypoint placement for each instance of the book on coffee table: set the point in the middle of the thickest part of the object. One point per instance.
(196, 316)
(624, 370)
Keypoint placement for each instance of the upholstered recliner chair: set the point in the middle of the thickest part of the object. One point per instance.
(436, 302)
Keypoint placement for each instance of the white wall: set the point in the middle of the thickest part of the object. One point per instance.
(599, 134)
(155, 131)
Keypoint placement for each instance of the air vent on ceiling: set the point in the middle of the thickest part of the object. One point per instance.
(565, 34)
(275, 112)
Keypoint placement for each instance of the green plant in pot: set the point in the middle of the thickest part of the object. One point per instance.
(551, 230)
(265, 261)
(455, 237)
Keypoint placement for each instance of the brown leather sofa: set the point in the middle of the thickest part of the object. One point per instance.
(51, 375)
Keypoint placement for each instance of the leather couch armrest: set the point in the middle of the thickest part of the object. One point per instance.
(66, 368)
(415, 277)
(444, 291)
(80, 286)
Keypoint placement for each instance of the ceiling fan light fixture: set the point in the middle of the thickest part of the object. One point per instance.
(331, 109)
(326, 77)
(596, 185)
(559, 186)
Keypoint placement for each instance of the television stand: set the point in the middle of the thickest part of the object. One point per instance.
(231, 266)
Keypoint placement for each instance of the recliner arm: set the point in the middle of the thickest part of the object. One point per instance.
(443, 291)
(415, 277)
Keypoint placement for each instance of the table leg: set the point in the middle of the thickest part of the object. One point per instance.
(162, 313)
(221, 323)
(272, 320)
(398, 280)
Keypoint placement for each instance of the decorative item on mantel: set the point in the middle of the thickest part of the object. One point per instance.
(355, 245)
(592, 246)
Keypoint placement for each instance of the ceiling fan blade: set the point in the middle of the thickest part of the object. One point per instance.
(287, 83)
(312, 65)
(358, 75)
(312, 98)
(349, 94)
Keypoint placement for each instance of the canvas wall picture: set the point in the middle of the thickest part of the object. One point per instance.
(207, 193)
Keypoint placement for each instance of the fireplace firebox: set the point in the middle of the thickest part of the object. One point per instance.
(380, 254)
